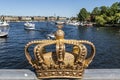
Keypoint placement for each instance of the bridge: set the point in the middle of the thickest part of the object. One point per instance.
(90, 74)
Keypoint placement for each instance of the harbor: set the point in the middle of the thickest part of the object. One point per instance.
(105, 39)
(15, 66)
(59, 40)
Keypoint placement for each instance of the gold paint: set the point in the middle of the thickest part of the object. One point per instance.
(60, 64)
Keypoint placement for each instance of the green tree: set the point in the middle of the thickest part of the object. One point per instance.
(103, 9)
(109, 14)
(96, 11)
(119, 6)
(102, 15)
(100, 20)
(114, 11)
(109, 19)
(83, 15)
(117, 17)
(115, 7)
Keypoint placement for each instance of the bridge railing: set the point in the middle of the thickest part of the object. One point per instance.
(90, 74)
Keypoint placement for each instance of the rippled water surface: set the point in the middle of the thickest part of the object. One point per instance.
(106, 40)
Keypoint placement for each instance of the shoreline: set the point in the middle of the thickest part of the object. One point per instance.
(107, 25)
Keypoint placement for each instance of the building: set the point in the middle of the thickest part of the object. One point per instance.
(25, 18)
(10, 18)
(39, 18)
(52, 18)
(62, 18)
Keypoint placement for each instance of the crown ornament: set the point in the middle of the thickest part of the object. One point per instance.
(60, 63)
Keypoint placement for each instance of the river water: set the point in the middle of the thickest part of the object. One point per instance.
(106, 40)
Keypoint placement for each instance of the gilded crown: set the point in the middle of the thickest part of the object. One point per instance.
(60, 63)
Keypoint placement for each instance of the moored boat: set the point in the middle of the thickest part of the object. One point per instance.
(4, 29)
(50, 36)
(88, 24)
(29, 26)
(74, 23)
(4, 23)
(3, 34)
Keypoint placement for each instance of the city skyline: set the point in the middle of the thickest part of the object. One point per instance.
(63, 8)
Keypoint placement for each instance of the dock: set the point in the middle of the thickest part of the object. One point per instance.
(90, 74)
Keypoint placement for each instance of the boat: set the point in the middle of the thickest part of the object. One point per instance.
(74, 23)
(50, 36)
(4, 23)
(60, 22)
(4, 28)
(29, 26)
(88, 24)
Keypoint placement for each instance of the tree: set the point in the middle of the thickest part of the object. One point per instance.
(108, 14)
(102, 15)
(117, 17)
(114, 11)
(96, 11)
(100, 20)
(83, 15)
(103, 9)
(115, 7)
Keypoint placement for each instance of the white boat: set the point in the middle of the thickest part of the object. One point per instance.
(60, 22)
(4, 29)
(29, 25)
(74, 23)
(3, 34)
(50, 36)
(4, 23)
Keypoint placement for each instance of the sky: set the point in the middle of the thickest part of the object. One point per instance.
(63, 8)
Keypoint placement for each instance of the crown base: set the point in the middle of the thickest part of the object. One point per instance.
(60, 73)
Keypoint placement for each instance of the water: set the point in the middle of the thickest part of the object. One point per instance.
(106, 40)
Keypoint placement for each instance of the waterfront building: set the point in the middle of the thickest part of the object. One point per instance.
(62, 18)
(31, 18)
(26, 18)
(52, 18)
(11, 18)
(39, 18)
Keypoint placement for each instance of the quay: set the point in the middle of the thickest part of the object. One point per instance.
(90, 74)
